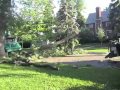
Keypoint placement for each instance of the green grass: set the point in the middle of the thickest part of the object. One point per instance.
(95, 48)
(98, 50)
(67, 78)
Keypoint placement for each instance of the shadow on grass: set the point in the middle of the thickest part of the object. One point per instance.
(93, 47)
(84, 55)
(85, 88)
(15, 75)
(107, 76)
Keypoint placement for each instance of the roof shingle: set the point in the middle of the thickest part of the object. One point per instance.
(92, 17)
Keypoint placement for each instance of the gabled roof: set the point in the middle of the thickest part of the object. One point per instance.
(92, 17)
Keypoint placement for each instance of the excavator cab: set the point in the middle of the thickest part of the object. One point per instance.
(11, 43)
(114, 48)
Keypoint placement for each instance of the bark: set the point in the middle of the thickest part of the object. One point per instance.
(2, 39)
(2, 36)
(101, 44)
(4, 14)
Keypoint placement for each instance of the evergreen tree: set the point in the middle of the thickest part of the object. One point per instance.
(67, 25)
(115, 16)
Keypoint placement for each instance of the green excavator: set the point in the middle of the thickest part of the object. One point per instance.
(11, 43)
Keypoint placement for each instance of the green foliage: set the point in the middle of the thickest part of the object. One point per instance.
(32, 21)
(26, 37)
(80, 19)
(87, 36)
(36, 16)
(101, 34)
(18, 56)
(71, 46)
(67, 23)
(53, 52)
(115, 16)
(74, 43)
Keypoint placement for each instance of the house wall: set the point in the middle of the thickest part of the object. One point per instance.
(105, 25)
(99, 23)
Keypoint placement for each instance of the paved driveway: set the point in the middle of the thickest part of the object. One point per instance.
(96, 60)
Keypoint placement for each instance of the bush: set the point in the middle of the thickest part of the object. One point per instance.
(87, 36)
(101, 35)
(53, 52)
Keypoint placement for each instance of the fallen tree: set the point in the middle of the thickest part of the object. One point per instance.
(48, 46)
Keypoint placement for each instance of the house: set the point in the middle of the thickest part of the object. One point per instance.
(99, 19)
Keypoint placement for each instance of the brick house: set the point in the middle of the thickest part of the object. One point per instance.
(99, 19)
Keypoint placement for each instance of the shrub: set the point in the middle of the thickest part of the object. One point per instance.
(53, 52)
(101, 35)
(87, 36)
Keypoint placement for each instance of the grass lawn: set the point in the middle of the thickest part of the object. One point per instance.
(95, 48)
(67, 78)
(98, 50)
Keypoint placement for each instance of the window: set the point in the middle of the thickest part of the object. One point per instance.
(108, 32)
(91, 26)
(107, 24)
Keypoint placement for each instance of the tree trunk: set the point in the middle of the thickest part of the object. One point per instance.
(2, 39)
(4, 15)
(101, 44)
(59, 42)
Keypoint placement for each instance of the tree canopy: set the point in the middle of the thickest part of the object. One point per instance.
(115, 16)
(69, 20)
(27, 19)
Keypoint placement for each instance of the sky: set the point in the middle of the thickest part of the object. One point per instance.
(90, 6)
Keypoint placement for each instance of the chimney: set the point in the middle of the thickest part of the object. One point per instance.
(98, 12)
(98, 19)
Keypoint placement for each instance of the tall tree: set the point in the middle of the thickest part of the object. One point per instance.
(35, 16)
(48, 19)
(29, 18)
(5, 6)
(115, 16)
(67, 24)
(79, 7)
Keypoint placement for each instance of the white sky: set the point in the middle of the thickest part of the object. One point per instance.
(56, 4)
(90, 5)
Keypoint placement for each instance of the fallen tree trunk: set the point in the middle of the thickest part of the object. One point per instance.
(48, 46)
